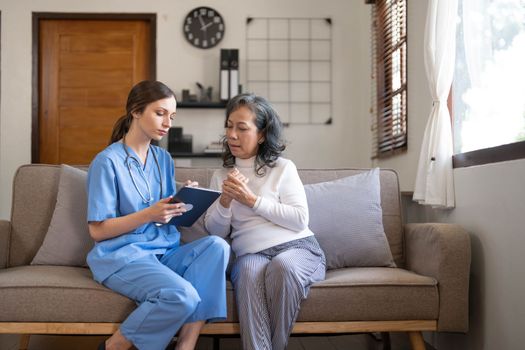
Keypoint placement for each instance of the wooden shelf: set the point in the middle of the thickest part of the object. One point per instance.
(221, 104)
(196, 155)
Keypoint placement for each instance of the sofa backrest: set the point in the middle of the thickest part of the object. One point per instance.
(35, 191)
(390, 197)
(35, 188)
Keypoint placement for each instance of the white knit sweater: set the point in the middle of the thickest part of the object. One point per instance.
(279, 215)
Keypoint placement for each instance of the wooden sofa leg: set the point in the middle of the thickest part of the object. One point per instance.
(216, 343)
(24, 341)
(385, 336)
(416, 340)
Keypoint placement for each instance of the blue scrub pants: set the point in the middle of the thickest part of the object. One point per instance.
(184, 285)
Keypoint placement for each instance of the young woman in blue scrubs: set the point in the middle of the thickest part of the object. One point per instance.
(177, 287)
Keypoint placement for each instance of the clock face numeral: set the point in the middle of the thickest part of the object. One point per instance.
(203, 27)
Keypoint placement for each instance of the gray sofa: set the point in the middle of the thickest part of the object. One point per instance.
(428, 291)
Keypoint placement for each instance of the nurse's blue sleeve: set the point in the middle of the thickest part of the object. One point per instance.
(168, 171)
(102, 190)
(173, 183)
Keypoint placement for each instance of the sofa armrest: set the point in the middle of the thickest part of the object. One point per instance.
(5, 233)
(442, 251)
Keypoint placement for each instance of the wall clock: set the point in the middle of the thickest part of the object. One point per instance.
(203, 27)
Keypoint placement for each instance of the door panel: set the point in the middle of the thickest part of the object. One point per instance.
(108, 61)
(93, 78)
(105, 96)
(86, 69)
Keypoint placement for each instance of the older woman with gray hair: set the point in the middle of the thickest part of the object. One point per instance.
(263, 209)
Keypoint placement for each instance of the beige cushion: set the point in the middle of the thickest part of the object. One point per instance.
(58, 294)
(67, 240)
(371, 294)
(194, 232)
(390, 202)
(347, 220)
(69, 294)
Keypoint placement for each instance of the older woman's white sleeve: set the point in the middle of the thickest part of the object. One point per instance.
(291, 211)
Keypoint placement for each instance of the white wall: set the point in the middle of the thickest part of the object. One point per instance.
(490, 205)
(180, 66)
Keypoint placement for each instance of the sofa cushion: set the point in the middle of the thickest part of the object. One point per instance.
(58, 294)
(67, 240)
(371, 294)
(30, 218)
(390, 202)
(69, 294)
(41, 293)
(346, 217)
(194, 232)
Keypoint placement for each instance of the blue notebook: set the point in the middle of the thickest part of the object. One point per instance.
(197, 201)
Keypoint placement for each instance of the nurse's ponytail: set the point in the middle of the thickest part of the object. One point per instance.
(121, 128)
(141, 95)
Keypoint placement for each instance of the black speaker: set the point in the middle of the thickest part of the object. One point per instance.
(178, 142)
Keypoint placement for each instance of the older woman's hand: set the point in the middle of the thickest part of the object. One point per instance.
(236, 187)
(191, 183)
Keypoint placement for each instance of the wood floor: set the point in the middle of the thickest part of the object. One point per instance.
(399, 341)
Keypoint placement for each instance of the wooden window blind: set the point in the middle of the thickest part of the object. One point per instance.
(389, 82)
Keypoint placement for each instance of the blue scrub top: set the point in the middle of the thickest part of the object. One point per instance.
(111, 193)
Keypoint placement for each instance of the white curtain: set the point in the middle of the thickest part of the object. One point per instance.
(434, 181)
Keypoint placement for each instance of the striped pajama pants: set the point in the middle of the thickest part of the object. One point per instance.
(269, 287)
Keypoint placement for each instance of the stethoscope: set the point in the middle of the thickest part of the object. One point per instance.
(128, 159)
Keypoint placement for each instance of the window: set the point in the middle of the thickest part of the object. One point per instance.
(488, 96)
(389, 81)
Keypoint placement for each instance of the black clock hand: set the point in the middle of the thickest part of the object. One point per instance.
(206, 25)
(201, 21)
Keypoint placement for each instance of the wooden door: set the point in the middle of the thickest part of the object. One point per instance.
(86, 69)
